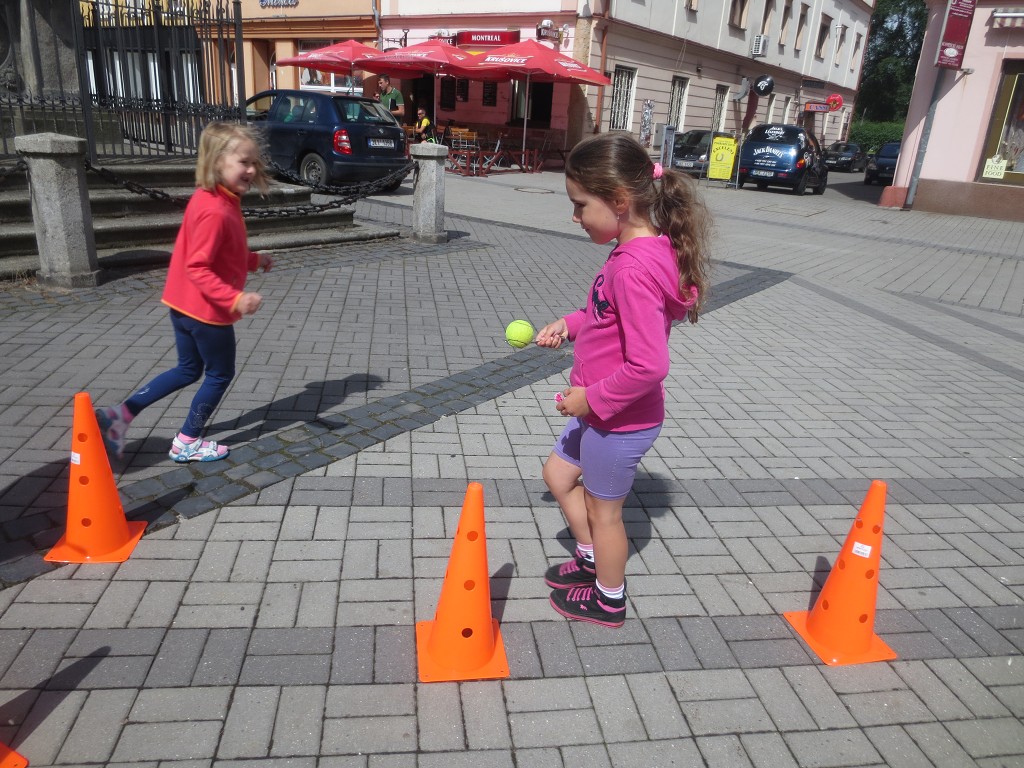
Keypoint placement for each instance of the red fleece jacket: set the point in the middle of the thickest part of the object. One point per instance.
(211, 259)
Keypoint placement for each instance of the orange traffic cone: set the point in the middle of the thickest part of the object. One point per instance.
(840, 627)
(11, 759)
(463, 641)
(97, 531)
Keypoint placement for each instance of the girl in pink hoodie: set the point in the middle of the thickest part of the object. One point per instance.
(656, 275)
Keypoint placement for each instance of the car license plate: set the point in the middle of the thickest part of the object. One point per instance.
(381, 143)
(831, 161)
(687, 164)
(756, 172)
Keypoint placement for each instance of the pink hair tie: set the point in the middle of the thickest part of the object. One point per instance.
(657, 170)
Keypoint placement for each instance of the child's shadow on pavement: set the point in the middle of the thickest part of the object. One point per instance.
(312, 405)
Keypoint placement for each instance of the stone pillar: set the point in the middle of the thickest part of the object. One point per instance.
(428, 196)
(60, 208)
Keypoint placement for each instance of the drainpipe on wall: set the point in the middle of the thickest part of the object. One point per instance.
(376, 23)
(922, 145)
(604, 59)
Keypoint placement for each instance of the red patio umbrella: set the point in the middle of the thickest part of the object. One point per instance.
(530, 60)
(433, 57)
(337, 58)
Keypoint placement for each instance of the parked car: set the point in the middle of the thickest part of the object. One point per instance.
(845, 156)
(329, 138)
(882, 165)
(784, 156)
(690, 151)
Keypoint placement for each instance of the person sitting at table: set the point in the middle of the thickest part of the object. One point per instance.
(424, 128)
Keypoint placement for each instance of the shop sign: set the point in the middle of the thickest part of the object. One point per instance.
(955, 29)
(723, 155)
(487, 37)
(278, 3)
(995, 168)
(816, 106)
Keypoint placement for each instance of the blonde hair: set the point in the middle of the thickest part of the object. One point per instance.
(609, 165)
(217, 140)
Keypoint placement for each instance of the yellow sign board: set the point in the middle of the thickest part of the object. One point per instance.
(723, 155)
(995, 168)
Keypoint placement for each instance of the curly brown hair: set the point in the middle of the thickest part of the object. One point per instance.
(608, 164)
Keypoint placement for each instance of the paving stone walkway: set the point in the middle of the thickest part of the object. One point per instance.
(266, 618)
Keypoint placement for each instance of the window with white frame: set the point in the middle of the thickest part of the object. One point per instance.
(771, 109)
(787, 17)
(766, 19)
(623, 87)
(801, 27)
(738, 13)
(718, 118)
(677, 102)
(824, 33)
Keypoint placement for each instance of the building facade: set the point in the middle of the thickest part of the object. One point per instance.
(685, 63)
(963, 149)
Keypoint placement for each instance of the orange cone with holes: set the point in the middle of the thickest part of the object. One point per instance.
(97, 531)
(11, 759)
(840, 627)
(463, 641)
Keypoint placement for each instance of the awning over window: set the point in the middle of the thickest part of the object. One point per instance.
(1008, 17)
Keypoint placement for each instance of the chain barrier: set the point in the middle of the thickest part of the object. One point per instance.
(21, 165)
(346, 195)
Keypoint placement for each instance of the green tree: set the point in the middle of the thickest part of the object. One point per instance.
(890, 61)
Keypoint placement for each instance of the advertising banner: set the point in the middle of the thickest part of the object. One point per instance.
(723, 155)
(955, 29)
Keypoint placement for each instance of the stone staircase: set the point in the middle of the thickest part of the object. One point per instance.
(136, 230)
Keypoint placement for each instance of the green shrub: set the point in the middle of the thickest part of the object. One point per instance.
(871, 136)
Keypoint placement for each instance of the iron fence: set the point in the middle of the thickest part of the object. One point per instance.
(132, 77)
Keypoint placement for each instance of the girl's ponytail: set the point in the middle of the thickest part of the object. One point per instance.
(680, 213)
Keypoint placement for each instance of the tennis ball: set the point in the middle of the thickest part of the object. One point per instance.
(519, 333)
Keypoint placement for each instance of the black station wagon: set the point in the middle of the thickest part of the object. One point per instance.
(329, 138)
(782, 156)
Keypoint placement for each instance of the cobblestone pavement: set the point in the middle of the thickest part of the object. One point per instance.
(266, 618)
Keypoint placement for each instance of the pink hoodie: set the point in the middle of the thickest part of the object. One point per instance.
(621, 338)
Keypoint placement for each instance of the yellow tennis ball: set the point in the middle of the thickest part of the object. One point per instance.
(519, 333)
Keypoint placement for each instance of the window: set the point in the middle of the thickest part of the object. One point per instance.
(801, 27)
(718, 119)
(490, 95)
(766, 20)
(738, 13)
(840, 45)
(824, 32)
(1005, 140)
(677, 102)
(447, 97)
(858, 41)
(623, 85)
(785, 108)
(691, 5)
(771, 109)
(787, 16)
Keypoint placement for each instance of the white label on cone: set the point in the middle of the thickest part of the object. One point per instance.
(861, 550)
(76, 458)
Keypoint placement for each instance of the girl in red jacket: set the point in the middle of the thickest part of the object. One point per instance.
(204, 291)
(655, 276)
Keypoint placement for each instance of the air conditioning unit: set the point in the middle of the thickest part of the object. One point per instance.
(759, 46)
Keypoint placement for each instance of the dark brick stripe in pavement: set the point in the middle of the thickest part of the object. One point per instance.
(33, 524)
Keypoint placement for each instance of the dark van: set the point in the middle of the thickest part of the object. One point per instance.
(328, 138)
(780, 155)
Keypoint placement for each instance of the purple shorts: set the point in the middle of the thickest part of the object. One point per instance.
(608, 459)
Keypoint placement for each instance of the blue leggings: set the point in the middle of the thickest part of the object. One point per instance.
(200, 346)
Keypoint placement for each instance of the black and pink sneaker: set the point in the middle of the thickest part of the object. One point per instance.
(578, 572)
(589, 604)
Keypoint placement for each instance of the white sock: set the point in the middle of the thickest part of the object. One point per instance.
(586, 551)
(615, 594)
